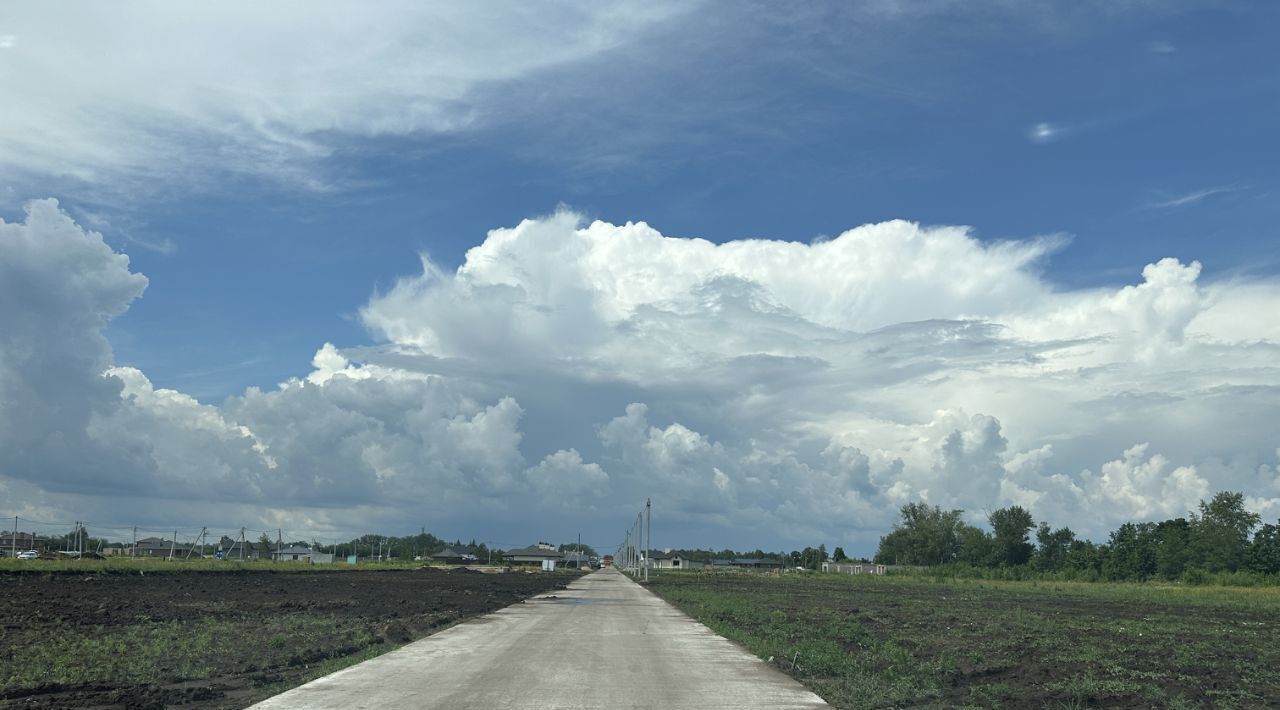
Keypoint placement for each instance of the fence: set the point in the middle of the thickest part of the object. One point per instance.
(74, 539)
(632, 557)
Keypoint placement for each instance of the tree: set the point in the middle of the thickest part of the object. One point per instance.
(1264, 553)
(1052, 547)
(1173, 547)
(927, 535)
(1084, 556)
(838, 555)
(1220, 533)
(976, 547)
(1132, 552)
(264, 545)
(809, 557)
(1011, 528)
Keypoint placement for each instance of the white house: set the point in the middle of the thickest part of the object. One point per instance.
(292, 554)
(672, 560)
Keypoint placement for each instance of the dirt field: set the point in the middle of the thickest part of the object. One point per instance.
(868, 642)
(219, 639)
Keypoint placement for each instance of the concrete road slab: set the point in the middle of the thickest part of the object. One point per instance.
(605, 642)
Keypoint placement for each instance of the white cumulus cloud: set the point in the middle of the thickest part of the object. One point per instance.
(772, 391)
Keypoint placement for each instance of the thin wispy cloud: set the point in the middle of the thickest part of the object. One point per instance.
(126, 230)
(1161, 47)
(89, 111)
(1192, 198)
(1045, 133)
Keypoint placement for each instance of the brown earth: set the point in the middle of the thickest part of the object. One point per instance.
(219, 639)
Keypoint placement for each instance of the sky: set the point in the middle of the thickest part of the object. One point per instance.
(505, 271)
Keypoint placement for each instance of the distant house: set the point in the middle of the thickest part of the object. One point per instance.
(160, 547)
(293, 554)
(854, 568)
(237, 550)
(456, 555)
(672, 560)
(24, 541)
(578, 560)
(532, 555)
(756, 563)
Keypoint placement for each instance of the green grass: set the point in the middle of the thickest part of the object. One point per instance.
(862, 641)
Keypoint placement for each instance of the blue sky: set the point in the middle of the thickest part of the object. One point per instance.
(775, 126)
(273, 200)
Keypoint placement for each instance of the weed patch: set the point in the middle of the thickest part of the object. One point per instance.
(869, 642)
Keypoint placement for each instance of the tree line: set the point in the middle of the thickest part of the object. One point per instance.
(1221, 537)
(808, 558)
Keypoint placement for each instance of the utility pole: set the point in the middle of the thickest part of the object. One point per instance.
(242, 544)
(643, 559)
(133, 551)
(173, 544)
(279, 543)
(15, 536)
(648, 537)
(193, 546)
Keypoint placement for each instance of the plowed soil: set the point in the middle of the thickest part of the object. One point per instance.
(219, 639)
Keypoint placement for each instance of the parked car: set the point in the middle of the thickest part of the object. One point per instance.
(29, 555)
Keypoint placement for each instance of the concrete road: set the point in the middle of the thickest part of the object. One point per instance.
(605, 642)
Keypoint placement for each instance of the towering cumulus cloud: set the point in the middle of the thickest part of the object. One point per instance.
(59, 285)
(786, 389)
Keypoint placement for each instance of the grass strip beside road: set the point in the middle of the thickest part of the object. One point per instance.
(863, 641)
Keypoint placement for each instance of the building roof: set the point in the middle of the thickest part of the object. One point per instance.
(534, 551)
(292, 551)
(456, 551)
(159, 543)
(755, 562)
